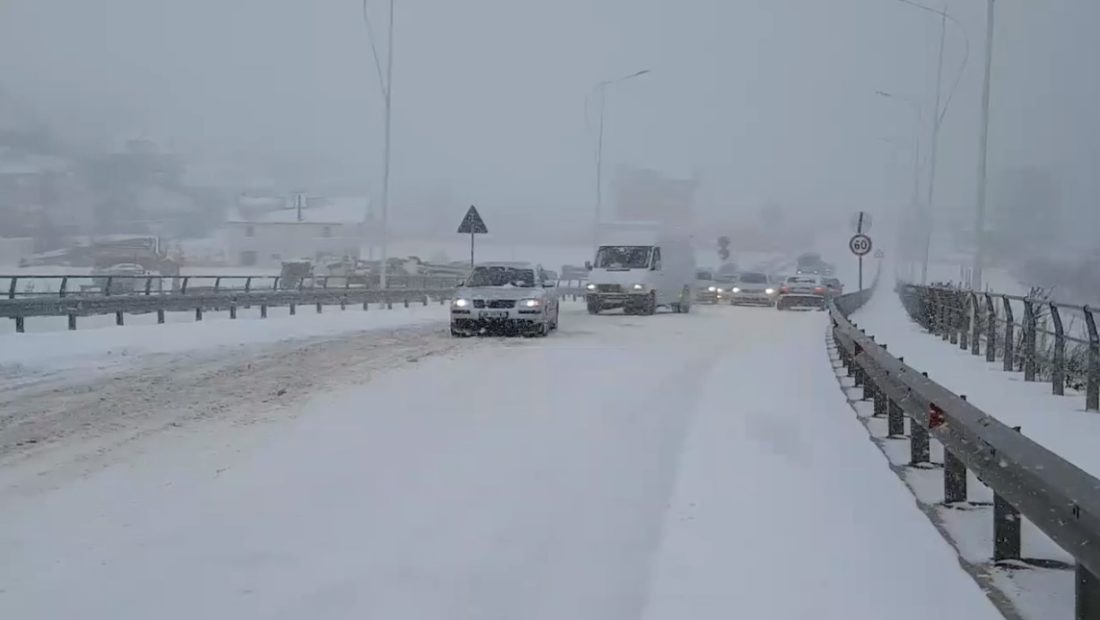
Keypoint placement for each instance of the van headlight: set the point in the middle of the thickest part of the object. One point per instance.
(530, 303)
(638, 287)
(461, 303)
(591, 287)
(712, 289)
(736, 289)
(769, 291)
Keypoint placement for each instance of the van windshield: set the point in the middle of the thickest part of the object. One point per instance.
(501, 276)
(754, 278)
(623, 257)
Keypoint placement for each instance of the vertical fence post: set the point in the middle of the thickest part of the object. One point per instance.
(1058, 364)
(12, 287)
(1010, 336)
(976, 325)
(990, 329)
(183, 286)
(945, 317)
(963, 335)
(248, 284)
(1092, 383)
(148, 286)
(107, 286)
(1030, 326)
(64, 286)
(217, 284)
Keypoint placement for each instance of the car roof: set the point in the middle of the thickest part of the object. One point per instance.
(513, 264)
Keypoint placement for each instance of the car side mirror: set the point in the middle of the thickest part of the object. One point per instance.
(588, 265)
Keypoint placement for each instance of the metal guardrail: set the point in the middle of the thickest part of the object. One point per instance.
(223, 296)
(1027, 479)
(1041, 344)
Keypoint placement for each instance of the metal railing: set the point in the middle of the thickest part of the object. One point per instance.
(1044, 339)
(1027, 479)
(202, 294)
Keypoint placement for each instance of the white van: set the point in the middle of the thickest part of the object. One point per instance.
(640, 266)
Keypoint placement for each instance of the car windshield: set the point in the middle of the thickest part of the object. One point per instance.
(754, 278)
(501, 276)
(623, 257)
(801, 280)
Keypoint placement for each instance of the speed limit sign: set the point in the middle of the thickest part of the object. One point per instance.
(860, 245)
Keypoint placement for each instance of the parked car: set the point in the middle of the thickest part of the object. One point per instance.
(753, 287)
(802, 291)
(510, 299)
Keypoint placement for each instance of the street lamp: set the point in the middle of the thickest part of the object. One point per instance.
(386, 83)
(601, 89)
(983, 154)
(918, 113)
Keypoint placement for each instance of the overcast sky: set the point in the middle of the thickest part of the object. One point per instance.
(767, 99)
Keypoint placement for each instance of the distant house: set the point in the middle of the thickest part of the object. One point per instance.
(264, 231)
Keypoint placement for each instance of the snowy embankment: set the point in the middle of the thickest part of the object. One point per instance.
(674, 466)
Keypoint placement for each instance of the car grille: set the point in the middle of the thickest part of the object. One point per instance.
(502, 303)
(609, 288)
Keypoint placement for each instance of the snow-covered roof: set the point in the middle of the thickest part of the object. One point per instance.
(318, 210)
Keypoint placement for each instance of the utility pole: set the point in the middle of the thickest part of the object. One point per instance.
(937, 118)
(602, 88)
(983, 153)
(382, 282)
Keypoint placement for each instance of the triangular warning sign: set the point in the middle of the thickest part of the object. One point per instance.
(472, 223)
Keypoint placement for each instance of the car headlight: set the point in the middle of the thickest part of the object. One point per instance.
(638, 287)
(769, 291)
(461, 303)
(721, 290)
(591, 287)
(736, 289)
(530, 303)
(712, 289)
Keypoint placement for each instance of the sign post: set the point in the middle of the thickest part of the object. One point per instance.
(860, 245)
(473, 224)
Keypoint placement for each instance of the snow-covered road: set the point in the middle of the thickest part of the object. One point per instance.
(701, 466)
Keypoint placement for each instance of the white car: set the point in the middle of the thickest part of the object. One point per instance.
(753, 287)
(511, 299)
(802, 291)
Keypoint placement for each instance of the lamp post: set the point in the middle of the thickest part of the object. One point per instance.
(918, 113)
(600, 88)
(386, 83)
(983, 153)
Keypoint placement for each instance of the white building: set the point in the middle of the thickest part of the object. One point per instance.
(266, 231)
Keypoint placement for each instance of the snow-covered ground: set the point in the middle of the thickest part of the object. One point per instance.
(701, 466)
(1057, 422)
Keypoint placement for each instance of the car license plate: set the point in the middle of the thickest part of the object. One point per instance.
(494, 314)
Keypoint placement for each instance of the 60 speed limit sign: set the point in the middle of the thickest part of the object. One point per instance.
(860, 245)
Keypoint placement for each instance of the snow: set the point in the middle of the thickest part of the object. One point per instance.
(97, 344)
(627, 467)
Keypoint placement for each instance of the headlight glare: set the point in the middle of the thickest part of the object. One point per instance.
(712, 289)
(638, 287)
(591, 287)
(461, 303)
(769, 291)
(531, 303)
(736, 289)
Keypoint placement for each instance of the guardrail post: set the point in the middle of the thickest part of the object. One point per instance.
(1058, 364)
(20, 326)
(318, 307)
(12, 287)
(895, 420)
(118, 318)
(233, 308)
(64, 286)
(293, 309)
(198, 313)
(160, 316)
(919, 449)
(366, 305)
(343, 302)
(406, 301)
(1010, 336)
(1006, 528)
(954, 475)
(990, 329)
(1087, 606)
(1029, 340)
(1092, 385)
(72, 322)
(263, 311)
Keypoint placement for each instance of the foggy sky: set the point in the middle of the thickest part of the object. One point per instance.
(769, 100)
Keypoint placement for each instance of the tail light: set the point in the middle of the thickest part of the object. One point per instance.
(784, 289)
(819, 290)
